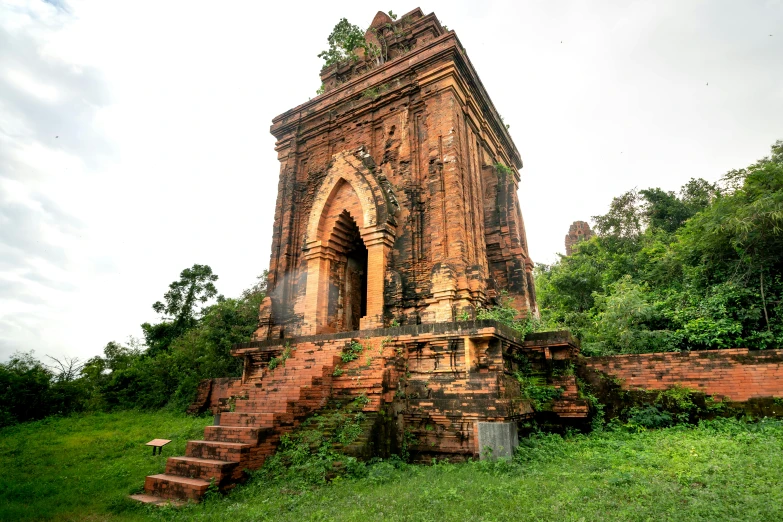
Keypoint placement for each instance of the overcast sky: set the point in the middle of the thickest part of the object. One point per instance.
(134, 136)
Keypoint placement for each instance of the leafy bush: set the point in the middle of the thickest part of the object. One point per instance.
(535, 389)
(188, 345)
(505, 313)
(649, 417)
(344, 39)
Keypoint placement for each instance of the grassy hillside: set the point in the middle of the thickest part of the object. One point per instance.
(81, 468)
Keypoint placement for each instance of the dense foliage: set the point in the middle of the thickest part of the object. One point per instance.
(187, 345)
(698, 269)
(346, 38)
(31, 390)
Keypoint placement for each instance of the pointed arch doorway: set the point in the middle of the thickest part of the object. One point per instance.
(349, 236)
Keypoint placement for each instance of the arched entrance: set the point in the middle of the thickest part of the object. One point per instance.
(349, 235)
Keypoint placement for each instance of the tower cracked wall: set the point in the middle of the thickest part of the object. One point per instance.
(397, 194)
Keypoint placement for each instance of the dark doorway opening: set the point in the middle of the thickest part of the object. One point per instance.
(354, 288)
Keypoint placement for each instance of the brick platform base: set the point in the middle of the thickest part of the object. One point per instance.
(433, 383)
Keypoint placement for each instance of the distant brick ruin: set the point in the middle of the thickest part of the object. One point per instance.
(578, 231)
(397, 217)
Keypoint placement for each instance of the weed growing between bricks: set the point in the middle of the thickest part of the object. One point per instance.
(352, 352)
(311, 454)
(274, 362)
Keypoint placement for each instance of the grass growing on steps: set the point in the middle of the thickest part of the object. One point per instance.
(83, 467)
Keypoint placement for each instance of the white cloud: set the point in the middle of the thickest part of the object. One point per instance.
(39, 90)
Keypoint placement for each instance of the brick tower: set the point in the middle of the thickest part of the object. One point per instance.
(397, 195)
(578, 231)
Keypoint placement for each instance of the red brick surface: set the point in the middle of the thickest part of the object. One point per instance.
(213, 394)
(267, 403)
(405, 155)
(396, 205)
(738, 374)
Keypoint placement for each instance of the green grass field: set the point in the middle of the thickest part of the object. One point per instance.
(81, 468)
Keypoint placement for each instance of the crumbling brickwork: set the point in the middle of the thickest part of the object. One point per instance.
(427, 387)
(212, 395)
(578, 231)
(404, 171)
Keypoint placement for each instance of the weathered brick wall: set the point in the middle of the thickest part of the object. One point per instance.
(213, 394)
(737, 374)
(427, 387)
(418, 139)
(440, 380)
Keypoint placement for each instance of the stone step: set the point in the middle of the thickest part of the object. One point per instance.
(205, 469)
(217, 450)
(291, 387)
(572, 408)
(277, 406)
(156, 501)
(296, 377)
(247, 419)
(268, 404)
(173, 486)
(245, 435)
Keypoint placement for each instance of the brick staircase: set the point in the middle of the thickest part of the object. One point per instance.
(569, 405)
(274, 402)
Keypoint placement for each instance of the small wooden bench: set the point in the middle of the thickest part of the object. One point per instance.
(157, 444)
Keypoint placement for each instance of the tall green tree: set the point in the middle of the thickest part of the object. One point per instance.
(196, 286)
(129, 377)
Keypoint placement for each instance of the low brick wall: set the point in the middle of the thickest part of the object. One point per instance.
(213, 394)
(737, 374)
